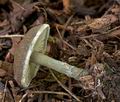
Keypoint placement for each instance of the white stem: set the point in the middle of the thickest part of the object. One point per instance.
(59, 66)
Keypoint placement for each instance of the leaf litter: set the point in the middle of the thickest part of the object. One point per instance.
(83, 33)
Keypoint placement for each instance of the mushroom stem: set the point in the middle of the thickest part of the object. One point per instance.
(62, 67)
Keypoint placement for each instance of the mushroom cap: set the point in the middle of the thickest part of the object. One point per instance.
(35, 40)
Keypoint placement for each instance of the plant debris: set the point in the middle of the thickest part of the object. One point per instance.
(83, 33)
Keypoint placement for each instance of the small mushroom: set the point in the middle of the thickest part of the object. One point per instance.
(30, 55)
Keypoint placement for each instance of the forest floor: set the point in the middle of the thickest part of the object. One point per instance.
(83, 33)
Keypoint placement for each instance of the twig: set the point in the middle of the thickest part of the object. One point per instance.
(43, 92)
(11, 36)
(45, 14)
(64, 40)
(111, 30)
(87, 43)
(12, 88)
(64, 87)
(90, 36)
(108, 10)
(21, 100)
(49, 92)
(66, 24)
(17, 4)
(69, 28)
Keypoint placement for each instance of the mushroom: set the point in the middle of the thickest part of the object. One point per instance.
(30, 55)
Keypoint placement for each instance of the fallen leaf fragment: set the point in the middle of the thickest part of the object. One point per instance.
(2, 73)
